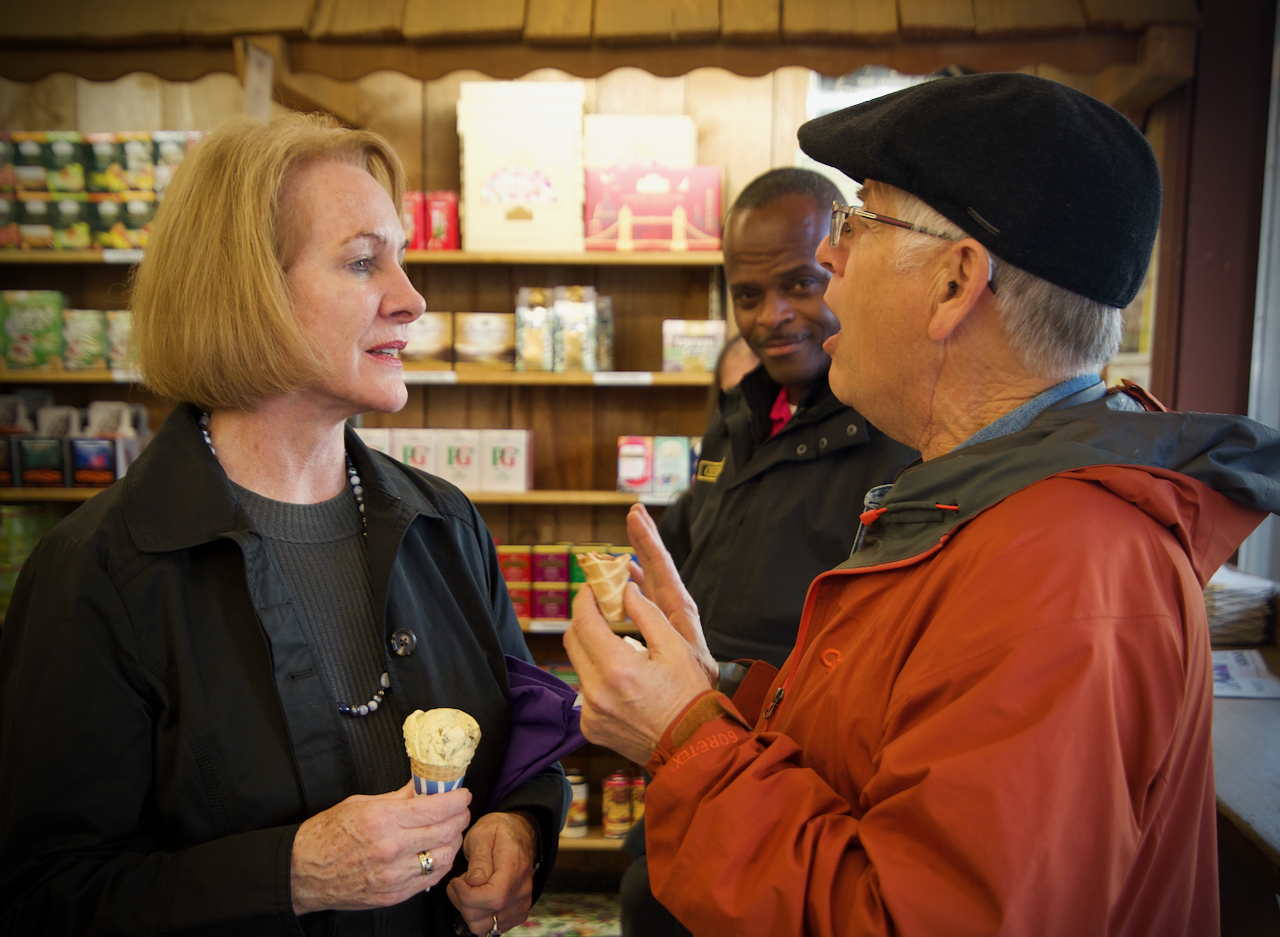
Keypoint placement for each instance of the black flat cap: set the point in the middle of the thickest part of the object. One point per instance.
(1044, 176)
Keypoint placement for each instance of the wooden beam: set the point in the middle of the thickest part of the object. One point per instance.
(619, 21)
(935, 19)
(750, 20)
(172, 63)
(1167, 59)
(239, 17)
(94, 22)
(357, 19)
(1134, 15)
(558, 21)
(433, 20)
(1026, 17)
(829, 20)
(301, 92)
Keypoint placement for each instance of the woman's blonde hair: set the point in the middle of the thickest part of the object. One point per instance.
(213, 321)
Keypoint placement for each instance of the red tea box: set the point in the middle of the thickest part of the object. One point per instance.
(440, 221)
(412, 219)
(635, 464)
(516, 563)
(653, 209)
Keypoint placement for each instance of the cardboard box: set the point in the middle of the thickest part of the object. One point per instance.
(119, 330)
(376, 438)
(440, 221)
(551, 562)
(521, 601)
(576, 341)
(8, 181)
(635, 464)
(535, 330)
(33, 329)
(516, 562)
(484, 341)
(84, 339)
(64, 161)
(35, 227)
(637, 209)
(670, 463)
(168, 149)
(506, 460)
(642, 140)
(93, 462)
(430, 338)
(10, 237)
(458, 457)
(69, 219)
(28, 161)
(550, 601)
(57, 421)
(412, 218)
(139, 161)
(42, 462)
(415, 447)
(104, 161)
(691, 344)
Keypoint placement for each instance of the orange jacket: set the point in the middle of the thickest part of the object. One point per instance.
(1007, 732)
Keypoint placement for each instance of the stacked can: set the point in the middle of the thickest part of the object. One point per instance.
(616, 809)
(576, 824)
(550, 598)
(637, 800)
(517, 569)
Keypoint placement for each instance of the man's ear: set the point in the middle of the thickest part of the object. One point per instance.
(961, 286)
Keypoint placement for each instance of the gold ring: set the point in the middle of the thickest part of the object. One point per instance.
(428, 864)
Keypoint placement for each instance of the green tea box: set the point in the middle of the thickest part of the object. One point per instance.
(139, 161)
(84, 339)
(104, 158)
(28, 161)
(64, 161)
(139, 210)
(42, 461)
(7, 180)
(69, 222)
(10, 238)
(32, 329)
(35, 229)
(119, 327)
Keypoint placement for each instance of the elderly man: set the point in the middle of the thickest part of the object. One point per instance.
(996, 718)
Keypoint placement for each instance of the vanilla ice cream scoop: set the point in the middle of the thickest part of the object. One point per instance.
(444, 738)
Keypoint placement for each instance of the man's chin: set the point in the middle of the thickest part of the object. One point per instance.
(796, 369)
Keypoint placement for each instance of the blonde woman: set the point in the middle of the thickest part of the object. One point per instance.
(205, 669)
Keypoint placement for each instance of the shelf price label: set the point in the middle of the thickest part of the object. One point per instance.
(125, 376)
(430, 377)
(622, 378)
(548, 625)
(114, 255)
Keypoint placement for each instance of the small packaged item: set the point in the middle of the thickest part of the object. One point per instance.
(42, 462)
(13, 415)
(440, 221)
(535, 330)
(604, 333)
(484, 341)
(415, 447)
(139, 210)
(93, 462)
(411, 216)
(10, 237)
(104, 158)
(139, 161)
(521, 601)
(119, 328)
(168, 149)
(506, 460)
(64, 161)
(33, 329)
(28, 161)
(84, 339)
(106, 221)
(376, 438)
(458, 457)
(691, 344)
(516, 563)
(551, 562)
(576, 824)
(575, 328)
(58, 421)
(69, 220)
(8, 181)
(616, 807)
(6, 462)
(110, 418)
(637, 800)
(430, 342)
(550, 601)
(635, 464)
(670, 463)
(35, 227)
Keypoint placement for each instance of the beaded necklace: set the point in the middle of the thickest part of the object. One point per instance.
(357, 490)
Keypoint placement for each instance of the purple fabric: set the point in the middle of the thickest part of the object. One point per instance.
(544, 725)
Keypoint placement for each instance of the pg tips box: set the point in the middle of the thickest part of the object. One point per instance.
(415, 447)
(458, 457)
(506, 462)
(33, 329)
(635, 464)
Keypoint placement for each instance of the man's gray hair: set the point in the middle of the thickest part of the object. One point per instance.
(1055, 333)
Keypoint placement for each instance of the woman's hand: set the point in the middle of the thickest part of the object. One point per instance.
(501, 852)
(363, 852)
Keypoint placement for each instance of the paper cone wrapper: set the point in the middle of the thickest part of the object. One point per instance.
(435, 779)
(607, 576)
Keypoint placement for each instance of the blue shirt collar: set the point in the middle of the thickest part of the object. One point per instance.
(1021, 418)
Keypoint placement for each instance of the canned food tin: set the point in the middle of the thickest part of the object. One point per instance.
(576, 824)
(637, 800)
(617, 806)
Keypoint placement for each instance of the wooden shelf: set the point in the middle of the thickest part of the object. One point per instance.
(87, 376)
(594, 841)
(10, 495)
(539, 258)
(560, 626)
(548, 497)
(412, 376)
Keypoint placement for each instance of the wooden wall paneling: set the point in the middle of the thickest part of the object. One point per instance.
(105, 287)
(134, 102)
(116, 20)
(47, 104)
(240, 17)
(200, 104)
(441, 149)
(393, 105)
(654, 411)
(735, 124)
(634, 91)
(750, 20)
(993, 18)
(873, 21)
(1166, 59)
(351, 19)
(562, 420)
(558, 74)
(642, 298)
(497, 517)
(935, 19)
(657, 20)
(790, 110)
(1136, 14)
(558, 21)
(28, 21)
(431, 20)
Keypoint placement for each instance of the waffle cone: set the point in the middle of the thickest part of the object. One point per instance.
(607, 576)
(436, 772)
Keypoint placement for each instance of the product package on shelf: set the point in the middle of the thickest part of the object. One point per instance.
(668, 141)
(535, 329)
(32, 329)
(635, 464)
(440, 221)
(576, 339)
(57, 421)
(169, 148)
(28, 161)
(42, 461)
(35, 227)
(415, 447)
(691, 344)
(506, 460)
(522, 182)
(7, 180)
(604, 332)
(104, 158)
(484, 341)
(670, 464)
(10, 237)
(84, 339)
(457, 454)
(119, 332)
(516, 562)
(63, 154)
(430, 342)
(69, 221)
(411, 217)
(14, 417)
(653, 209)
(376, 438)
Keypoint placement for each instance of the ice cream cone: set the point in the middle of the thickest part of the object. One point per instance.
(607, 576)
(435, 779)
